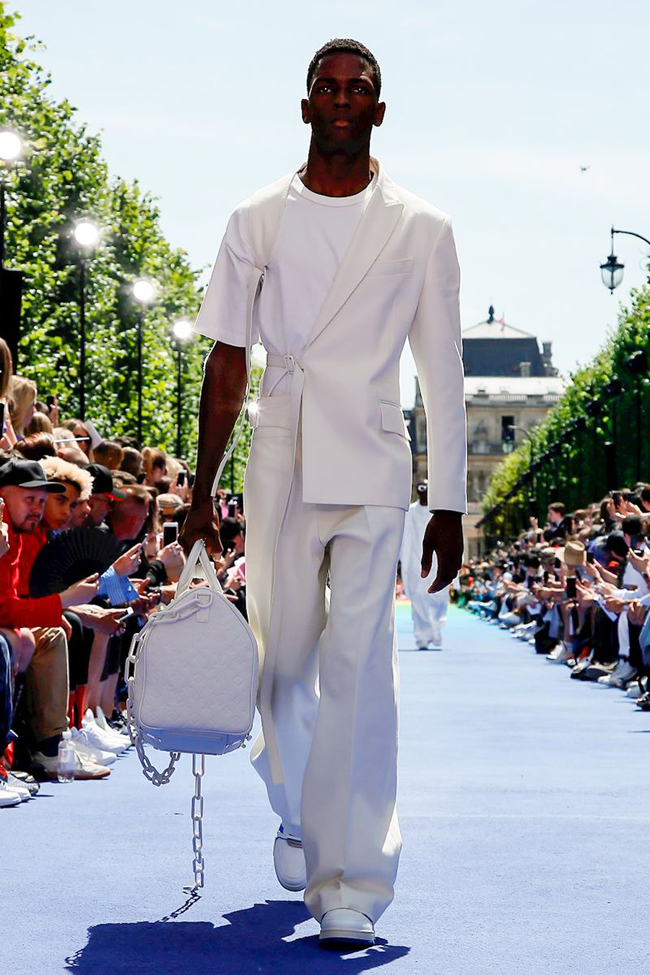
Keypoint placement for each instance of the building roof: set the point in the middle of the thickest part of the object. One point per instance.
(521, 385)
(495, 328)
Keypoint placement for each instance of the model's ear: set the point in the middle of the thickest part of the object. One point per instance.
(304, 110)
(379, 114)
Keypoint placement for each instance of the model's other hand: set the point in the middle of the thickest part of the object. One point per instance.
(201, 523)
(444, 536)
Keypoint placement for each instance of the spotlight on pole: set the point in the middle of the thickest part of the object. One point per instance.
(182, 329)
(86, 234)
(11, 145)
(143, 291)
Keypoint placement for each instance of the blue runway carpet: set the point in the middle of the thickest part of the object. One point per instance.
(525, 809)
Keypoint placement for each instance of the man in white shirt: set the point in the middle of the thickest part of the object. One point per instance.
(429, 610)
(351, 267)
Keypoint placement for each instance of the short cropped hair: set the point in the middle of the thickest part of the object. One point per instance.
(345, 45)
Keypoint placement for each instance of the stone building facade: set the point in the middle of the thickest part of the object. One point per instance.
(510, 385)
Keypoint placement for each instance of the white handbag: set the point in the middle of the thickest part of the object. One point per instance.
(192, 677)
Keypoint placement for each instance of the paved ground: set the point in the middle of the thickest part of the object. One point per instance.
(525, 807)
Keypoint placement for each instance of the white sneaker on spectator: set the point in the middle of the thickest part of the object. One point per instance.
(83, 767)
(121, 741)
(97, 738)
(95, 754)
(15, 785)
(8, 797)
(636, 689)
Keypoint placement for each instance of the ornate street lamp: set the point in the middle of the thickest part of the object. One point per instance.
(612, 270)
(86, 235)
(144, 292)
(182, 330)
(11, 149)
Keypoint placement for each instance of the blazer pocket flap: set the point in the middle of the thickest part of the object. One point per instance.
(392, 267)
(392, 419)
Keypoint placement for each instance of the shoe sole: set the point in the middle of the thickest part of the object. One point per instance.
(341, 937)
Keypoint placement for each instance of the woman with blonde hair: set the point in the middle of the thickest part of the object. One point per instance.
(22, 392)
(7, 435)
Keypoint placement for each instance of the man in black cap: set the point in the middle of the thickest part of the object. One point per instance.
(104, 493)
(23, 488)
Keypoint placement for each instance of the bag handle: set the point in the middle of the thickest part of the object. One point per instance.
(197, 555)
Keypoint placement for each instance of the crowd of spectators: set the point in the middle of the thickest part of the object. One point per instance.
(578, 590)
(62, 655)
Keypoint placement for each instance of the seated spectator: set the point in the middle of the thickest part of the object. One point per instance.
(24, 489)
(36, 446)
(103, 494)
(131, 461)
(109, 454)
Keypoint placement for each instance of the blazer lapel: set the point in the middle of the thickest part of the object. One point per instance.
(373, 232)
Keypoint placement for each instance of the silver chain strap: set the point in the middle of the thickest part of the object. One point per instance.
(198, 769)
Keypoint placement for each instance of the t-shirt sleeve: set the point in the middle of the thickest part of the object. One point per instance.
(222, 315)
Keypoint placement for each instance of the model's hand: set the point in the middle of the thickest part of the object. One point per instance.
(444, 536)
(201, 523)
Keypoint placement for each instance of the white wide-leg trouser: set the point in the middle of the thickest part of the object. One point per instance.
(334, 696)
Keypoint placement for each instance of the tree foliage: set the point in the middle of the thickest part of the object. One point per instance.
(62, 178)
(569, 446)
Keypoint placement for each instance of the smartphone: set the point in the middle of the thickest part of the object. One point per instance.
(591, 558)
(129, 611)
(616, 498)
(571, 588)
(556, 563)
(545, 576)
(170, 532)
(50, 402)
(190, 479)
(232, 508)
(2, 419)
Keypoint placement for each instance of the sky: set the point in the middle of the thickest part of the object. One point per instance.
(492, 111)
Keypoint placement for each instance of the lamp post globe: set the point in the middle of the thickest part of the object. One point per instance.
(143, 291)
(86, 234)
(182, 329)
(11, 145)
(611, 272)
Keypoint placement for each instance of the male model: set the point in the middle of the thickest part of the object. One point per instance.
(429, 609)
(351, 266)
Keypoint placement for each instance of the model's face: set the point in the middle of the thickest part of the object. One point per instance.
(342, 104)
(60, 507)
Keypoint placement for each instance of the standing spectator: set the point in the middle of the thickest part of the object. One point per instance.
(7, 435)
(23, 397)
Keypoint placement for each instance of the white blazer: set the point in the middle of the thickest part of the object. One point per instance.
(399, 280)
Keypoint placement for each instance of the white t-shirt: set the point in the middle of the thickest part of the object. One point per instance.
(315, 234)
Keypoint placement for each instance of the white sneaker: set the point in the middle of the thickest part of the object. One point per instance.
(289, 861)
(635, 690)
(348, 926)
(437, 637)
(8, 797)
(103, 724)
(95, 754)
(108, 741)
(83, 767)
(14, 785)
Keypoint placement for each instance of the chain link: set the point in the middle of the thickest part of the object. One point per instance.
(198, 768)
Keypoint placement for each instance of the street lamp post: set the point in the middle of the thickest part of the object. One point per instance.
(11, 149)
(86, 235)
(612, 270)
(144, 292)
(182, 331)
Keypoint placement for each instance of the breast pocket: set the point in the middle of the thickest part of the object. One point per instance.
(392, 419)
(380, 268)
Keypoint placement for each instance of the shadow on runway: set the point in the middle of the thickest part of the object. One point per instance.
(252, 941)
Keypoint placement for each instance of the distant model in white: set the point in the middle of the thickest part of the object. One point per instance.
(429, 609)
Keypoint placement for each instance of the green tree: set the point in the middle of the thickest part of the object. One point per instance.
(63, 177)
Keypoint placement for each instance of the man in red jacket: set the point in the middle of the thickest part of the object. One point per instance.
(23, 487)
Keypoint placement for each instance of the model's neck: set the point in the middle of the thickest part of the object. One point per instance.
(336, 174)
